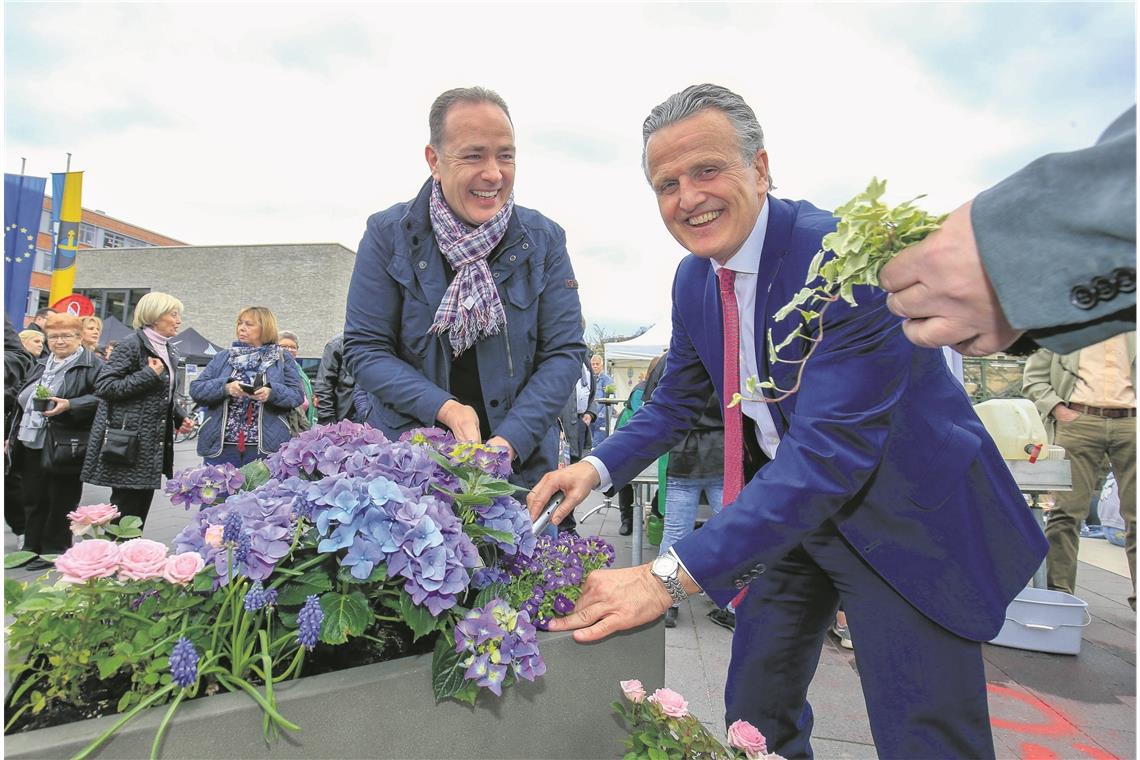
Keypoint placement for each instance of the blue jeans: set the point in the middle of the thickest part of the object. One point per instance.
(682, 496)
(231, 455)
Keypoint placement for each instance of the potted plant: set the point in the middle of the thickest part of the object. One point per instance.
(344, 549)
(41, 398)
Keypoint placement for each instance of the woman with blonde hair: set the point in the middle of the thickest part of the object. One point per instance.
(92, 330)
(248, 392)
(33, 341)
(137, 410)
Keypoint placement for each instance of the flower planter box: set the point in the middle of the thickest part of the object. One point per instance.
(387, 710)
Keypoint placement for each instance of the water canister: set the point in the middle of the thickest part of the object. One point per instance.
(1015, 426)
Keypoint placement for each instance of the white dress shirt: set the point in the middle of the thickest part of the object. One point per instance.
(746, 264)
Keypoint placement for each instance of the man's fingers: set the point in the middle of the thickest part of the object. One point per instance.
(904, 269)
(914, 302)
(539, 496)
(934, 332)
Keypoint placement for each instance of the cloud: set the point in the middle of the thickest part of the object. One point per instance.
(292, 123)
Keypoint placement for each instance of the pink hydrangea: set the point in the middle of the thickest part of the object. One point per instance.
(83, 518)
(633, 691)
(213, 536)
(181, 568)
(746, 737)
(671, 703)
(94, 558)
(141, 559)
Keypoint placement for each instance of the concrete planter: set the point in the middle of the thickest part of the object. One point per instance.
(387, 711)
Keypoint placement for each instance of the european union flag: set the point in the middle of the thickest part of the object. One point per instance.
(23, 203)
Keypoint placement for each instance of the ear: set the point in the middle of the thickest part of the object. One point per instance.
(432, 161)
(760, 164)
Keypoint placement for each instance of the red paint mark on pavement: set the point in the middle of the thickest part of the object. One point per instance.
(1095, 752)
(1030, 751)
(1055, 723)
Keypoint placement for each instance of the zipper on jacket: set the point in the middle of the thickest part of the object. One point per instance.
(225, 417)
(507, 339)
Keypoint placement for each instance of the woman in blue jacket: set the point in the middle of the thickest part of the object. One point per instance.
(248, 392)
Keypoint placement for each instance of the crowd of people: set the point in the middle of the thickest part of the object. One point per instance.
(463, 312)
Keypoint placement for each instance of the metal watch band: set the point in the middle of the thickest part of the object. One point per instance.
(675, 589)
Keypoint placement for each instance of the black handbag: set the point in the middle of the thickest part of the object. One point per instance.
(64, 449)
(120, 446)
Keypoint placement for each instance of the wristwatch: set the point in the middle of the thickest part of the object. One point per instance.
(666, 569)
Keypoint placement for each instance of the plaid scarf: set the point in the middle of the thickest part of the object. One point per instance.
(470, 308)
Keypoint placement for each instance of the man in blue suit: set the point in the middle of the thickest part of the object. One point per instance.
(874, 484)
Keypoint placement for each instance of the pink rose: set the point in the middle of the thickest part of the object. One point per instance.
(213, 535)
(141, 559)
(745, 736)
(91, 514)
(633, 691)
(181, 568)
(94, 558)
(672, 703)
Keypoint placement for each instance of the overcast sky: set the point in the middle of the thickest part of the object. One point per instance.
(221, 124)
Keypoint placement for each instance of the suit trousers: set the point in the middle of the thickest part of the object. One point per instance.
(1088, 440)
(924, 686)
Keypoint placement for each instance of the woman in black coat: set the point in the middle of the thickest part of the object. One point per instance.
(136, 393)
(47, 445)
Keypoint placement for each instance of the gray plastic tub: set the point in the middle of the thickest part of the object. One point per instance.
(1044, 621)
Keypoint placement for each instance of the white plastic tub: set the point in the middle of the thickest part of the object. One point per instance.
(1044, 621)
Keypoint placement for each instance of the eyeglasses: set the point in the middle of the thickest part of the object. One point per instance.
(65, 336)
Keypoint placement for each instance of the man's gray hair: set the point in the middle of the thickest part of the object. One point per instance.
(701, 97)
(438, 113)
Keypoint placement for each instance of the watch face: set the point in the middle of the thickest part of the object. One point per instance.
(664, 566)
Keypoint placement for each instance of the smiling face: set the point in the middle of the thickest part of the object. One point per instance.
(708, 197)
(475, 165)
(91, 333)
(167, 325)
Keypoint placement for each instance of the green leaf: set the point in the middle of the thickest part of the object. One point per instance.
(315, 581)
(658, 754)
(379, 574)
(418, 618)
(446, 672)
(345, 615)
(256, 473)
(15, 559)
(478, 531)
(467, 694)
(494, 591)
(130, 521)
(108, 666)
(42, 602)
(204, 581)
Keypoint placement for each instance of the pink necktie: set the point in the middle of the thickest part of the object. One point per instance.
(733, 419)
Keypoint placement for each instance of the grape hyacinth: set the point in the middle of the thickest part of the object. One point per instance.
(231, 533)
(258, 597)
(203, 486)
(309, 621)
(184, 663)
(258, 525)
(498, 641)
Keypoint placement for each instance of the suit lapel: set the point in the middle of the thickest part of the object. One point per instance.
(781, 218)
(715, 330)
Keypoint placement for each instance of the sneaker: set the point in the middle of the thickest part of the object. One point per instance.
(671, 617)
(723, 618)
(1115, 537)
(1093, 531)
(844, 636)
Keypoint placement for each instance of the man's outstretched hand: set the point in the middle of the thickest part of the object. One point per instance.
(941, 287)
(614, 600)
(576, 481)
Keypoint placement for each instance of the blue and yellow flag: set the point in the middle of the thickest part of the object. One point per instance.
(23, 204)
(66, 211)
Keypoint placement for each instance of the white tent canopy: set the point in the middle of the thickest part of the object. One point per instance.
(628, 360)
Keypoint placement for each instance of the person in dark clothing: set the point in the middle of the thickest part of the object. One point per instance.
(17, 363)
(136, 392)
(334, 385)
(37, 324)
(577, 416)
(50, 465)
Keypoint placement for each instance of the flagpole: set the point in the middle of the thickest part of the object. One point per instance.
(23, 162)
(68, 162)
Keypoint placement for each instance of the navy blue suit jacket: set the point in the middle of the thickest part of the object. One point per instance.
(880, 438)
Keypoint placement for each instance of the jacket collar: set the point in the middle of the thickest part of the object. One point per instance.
(416, 223)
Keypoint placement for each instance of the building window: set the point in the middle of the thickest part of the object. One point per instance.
(113, 240)
(87, 234)
(117, 303)
(43, 261)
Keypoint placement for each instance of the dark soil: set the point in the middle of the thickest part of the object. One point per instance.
(395, 642)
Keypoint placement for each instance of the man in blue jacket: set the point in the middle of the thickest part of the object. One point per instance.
(874, 484)
(463, 309)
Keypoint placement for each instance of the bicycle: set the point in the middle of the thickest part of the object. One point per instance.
(197, 412)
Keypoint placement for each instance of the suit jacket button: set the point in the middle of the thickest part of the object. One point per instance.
(738, 583)
(761, 568)
(1105, 288)
(1125, 279)
(1082, 297)
(422, 265)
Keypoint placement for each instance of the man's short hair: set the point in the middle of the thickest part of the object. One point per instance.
(47, 311)
(438, 113)
(701, 97)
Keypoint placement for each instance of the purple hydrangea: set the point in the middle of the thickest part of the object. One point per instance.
(322, 450)
(184, 663)
(309, 621)
(509, 516)
(498, 641)
(486, 576)
(203, 486)
(493, 460)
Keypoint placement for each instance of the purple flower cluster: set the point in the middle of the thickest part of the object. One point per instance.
(203, 486)
(550, 581)
(258, 597)
(256, 529)
(309, 621)
(323, 450)
(498, 639)
(380, 522)
(492, 460)
(184, 663)
(508, 515)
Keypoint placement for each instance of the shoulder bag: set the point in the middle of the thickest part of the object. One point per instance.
(64, 449)
(120, 445)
